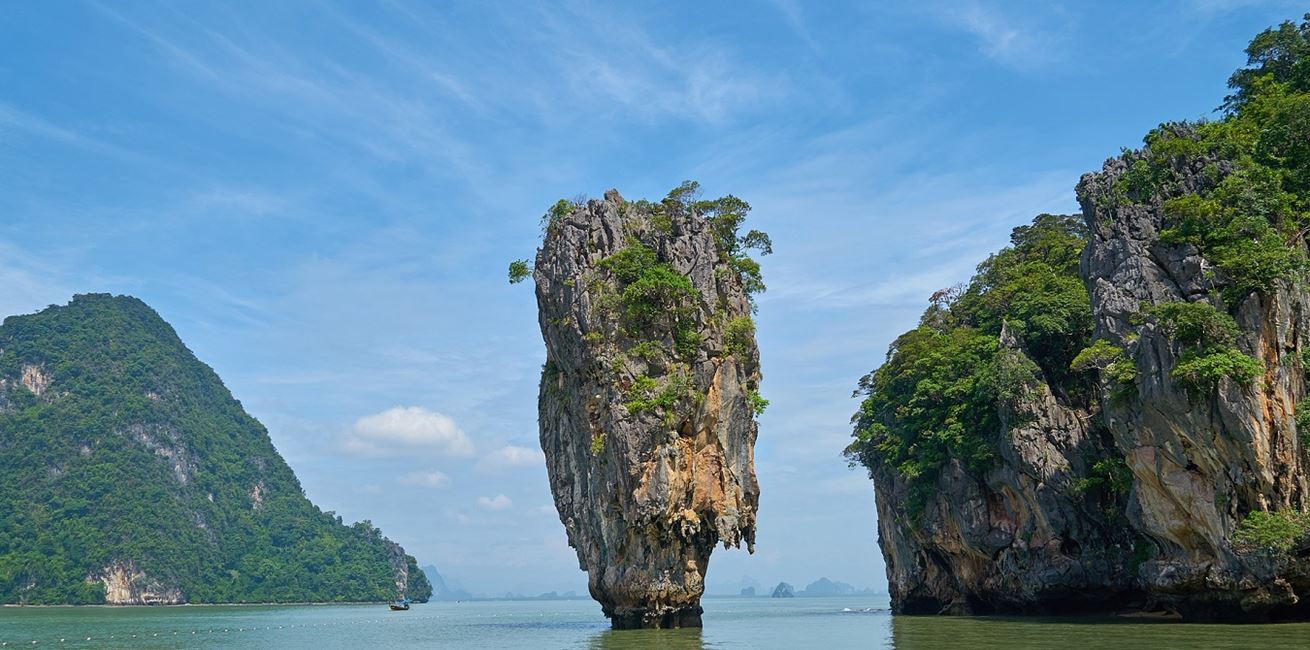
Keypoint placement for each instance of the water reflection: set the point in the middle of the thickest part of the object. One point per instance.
(1087, 633)
(684, 639)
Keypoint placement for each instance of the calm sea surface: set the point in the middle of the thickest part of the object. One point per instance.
(824, 623)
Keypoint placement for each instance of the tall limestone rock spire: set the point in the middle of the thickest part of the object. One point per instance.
(649, 394)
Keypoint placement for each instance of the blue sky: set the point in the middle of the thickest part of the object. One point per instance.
(322, 199)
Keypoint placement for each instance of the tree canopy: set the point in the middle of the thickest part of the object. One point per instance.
(942, 391)
(134, 451)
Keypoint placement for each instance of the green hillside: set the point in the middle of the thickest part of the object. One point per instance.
(128, 472)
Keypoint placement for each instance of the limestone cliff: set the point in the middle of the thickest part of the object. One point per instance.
(126, 584)
(1200, 462)
(1160, 468)
(648, 395)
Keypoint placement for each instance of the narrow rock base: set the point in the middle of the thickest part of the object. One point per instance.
(663, 618)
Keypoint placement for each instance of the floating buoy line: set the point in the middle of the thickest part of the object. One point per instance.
(119, 636)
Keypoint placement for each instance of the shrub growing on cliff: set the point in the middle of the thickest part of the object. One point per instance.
(1207, 337)
(1097, 356)
(1235, 228)
(1302, 417)
(1200, 372)
(519, 270)
(1279, 55)
(1111, 475)
(659, 294)
(945, 385)
(1032, 286)
(1248, 214)
(1196, 324)
(649, 394)
(654, 296)
(1278, 531)
(562, 208)
(725, 216)
(739, 335)
(933, 400)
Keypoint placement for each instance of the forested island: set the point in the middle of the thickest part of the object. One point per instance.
(130, 475)
(1111, 414)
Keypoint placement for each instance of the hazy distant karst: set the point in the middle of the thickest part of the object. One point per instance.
(129, 475)
(784, 590)
(1111, 415)
(444, 588)
(649, 393)
(825, 587)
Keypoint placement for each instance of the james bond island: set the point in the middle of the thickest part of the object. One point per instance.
(649, 393)
(1111, 415)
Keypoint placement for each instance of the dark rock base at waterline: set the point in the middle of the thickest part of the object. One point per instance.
(1085, 602)
(637, 619)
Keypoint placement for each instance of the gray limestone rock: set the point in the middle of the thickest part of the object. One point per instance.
(645, 490)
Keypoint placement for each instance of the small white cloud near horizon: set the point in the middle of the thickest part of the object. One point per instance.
(428, 479)
(498, 502)
(408, 429)
(512, 456)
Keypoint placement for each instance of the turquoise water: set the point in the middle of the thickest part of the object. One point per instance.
(825, 623)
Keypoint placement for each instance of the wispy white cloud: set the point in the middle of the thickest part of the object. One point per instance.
(611, 58)
(15, 121)
(176, 54)
(1225, 6)
(28, 282)
(793, 14)
(513, 456)
(498, 502)
(1026, 38)
(238, 202)
(408, 429)
(853, 482)
(335, 103)
(427, 479)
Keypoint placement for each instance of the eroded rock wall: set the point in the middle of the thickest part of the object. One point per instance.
(1023, 537)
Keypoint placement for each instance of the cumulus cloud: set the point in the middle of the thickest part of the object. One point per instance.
(513, 456)
(409, 429)
(429, 479)
(498, 502)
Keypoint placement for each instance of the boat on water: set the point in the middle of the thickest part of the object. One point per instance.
(400, 605)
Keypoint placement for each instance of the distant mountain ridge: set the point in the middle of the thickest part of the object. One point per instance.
(129, 474)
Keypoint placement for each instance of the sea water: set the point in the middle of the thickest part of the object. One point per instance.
(823, 623)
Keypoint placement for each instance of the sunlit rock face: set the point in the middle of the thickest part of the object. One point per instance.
(1200, 463)
(646, 417)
